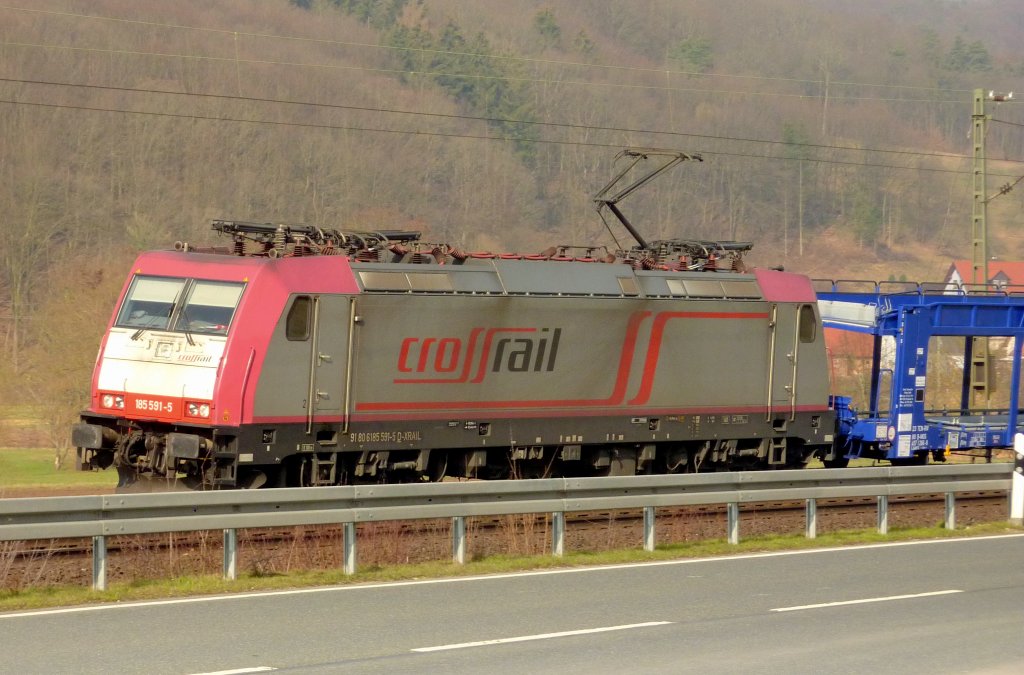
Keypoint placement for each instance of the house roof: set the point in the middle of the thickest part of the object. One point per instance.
(1011, 270)
(848, 344)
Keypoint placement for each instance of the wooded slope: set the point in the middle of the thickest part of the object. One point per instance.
(835, 135)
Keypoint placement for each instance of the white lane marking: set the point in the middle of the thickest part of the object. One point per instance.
(540, 636)
(487, 577)
(238, 671)
(865, 600)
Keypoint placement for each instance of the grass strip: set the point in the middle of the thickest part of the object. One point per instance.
(25, 468)
(63, 596)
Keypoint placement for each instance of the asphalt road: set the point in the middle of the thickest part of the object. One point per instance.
(934, 607)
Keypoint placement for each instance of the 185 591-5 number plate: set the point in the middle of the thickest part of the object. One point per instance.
(147, 405)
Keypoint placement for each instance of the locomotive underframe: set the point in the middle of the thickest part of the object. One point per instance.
(284, 455)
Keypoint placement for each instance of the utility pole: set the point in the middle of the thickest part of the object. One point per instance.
(980, 367)
(979, 213)
(979, 248)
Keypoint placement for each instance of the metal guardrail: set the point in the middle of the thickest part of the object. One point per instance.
(124, 514)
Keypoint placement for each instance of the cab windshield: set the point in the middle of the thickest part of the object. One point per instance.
(178, 304)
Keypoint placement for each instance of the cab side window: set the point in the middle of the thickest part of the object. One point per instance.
(807, 325)
(299, 318)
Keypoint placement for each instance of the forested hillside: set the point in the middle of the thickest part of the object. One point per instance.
(835, 135)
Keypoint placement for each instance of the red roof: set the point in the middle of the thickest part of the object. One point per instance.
(849, 344)
(1012, 270)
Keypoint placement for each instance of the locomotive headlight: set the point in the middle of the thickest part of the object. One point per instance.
(198, 409)
(114, 401)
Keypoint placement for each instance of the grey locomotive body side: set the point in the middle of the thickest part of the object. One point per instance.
(506, 368)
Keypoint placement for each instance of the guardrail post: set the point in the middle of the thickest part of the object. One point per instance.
(558, 533)
(648, 528)
(459, 540)
(811, 512)
(99, 563)
(950, 511)
(231, 554)
(348, 542)
(883, 514)
(732, 511)
(1017, 482)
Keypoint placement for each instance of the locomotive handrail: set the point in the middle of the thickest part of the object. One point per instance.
(124, 514)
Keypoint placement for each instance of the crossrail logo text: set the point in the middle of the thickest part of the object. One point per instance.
(439, 360)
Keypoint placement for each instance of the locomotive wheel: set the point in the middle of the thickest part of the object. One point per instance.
(197, 477)
(253, 480)
(126, 477)
(677, 460)
(438, 466)
(192, 481)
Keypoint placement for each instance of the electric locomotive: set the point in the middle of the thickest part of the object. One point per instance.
(307, 356)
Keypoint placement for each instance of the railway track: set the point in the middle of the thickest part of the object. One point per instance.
(279, 550)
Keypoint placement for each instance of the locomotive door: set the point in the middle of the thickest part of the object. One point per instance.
(328, 358)
(783, 356)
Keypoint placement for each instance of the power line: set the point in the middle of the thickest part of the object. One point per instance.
(509, 57)
(840, 162)
(414, 132)
(473, 76)
(308, 125)
(1012, 124)
(334, 106)
(1005, 189)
